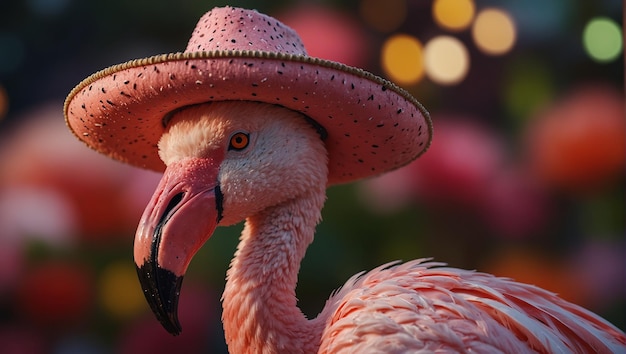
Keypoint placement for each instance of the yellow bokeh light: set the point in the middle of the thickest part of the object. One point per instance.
(446, 60)
(120, 294)
(384, 16)
(454, 15)
(402, 59)
(494, 31)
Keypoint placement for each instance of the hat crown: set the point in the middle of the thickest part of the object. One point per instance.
(235, 29)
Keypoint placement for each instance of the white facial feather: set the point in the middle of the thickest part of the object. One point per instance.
(284, 158)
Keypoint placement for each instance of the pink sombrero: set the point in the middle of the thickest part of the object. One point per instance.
(372, 125)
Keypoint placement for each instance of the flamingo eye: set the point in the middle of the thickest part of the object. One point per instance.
(239, 141)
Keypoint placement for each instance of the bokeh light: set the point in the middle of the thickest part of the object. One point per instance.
(494, 31)
(454, 15)
(13, 52)
(56, 293)
(327, 33)
(578, 144)
(528, 86)
(540, 21)
(383, 16)
(48, 7)
(602, 39)
(446, 60)
(119, 291)
(402, 59)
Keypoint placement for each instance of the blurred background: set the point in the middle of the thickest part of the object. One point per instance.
(525, 177)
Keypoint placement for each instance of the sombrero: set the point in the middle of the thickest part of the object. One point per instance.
(371, 125)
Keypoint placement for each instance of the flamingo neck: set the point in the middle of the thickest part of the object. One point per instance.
(260, 312)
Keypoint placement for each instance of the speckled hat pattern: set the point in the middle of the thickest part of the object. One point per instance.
(372, 125)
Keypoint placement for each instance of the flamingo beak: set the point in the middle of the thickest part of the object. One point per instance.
(180, 217)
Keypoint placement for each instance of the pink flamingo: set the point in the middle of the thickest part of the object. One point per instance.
(219, 172)
(229, 160)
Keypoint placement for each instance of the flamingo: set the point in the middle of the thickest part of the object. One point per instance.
(236, 160)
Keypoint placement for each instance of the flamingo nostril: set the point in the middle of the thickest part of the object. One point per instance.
(167, 213)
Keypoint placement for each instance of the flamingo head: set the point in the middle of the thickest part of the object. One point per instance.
(224, 161)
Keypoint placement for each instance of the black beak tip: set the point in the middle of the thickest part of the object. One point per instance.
(161, 288)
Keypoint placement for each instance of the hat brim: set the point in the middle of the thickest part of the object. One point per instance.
(373, 126)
